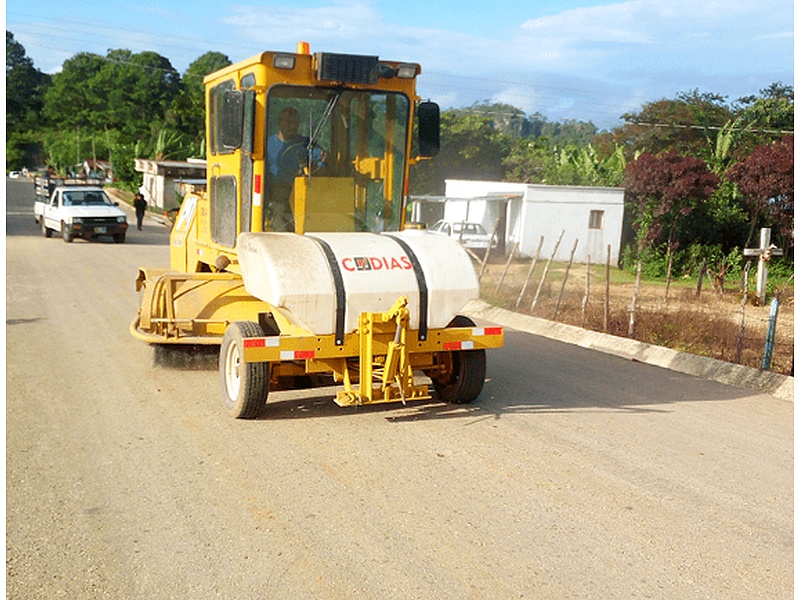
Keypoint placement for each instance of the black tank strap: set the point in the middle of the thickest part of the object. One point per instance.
(421, 284)
(338, 281)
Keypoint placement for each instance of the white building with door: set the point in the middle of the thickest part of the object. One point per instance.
(526, 213)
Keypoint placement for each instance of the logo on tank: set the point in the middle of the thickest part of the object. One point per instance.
(376, 263)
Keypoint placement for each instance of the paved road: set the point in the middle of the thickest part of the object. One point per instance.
(576, 475)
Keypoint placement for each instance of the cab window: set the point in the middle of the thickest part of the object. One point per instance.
(216, 102)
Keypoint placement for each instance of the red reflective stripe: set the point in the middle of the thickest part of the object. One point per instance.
(492, 330)
(255, 343)
(257, 184)
(452, 345)
(304, 354)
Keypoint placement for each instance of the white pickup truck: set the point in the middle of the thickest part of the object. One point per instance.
(77, 208)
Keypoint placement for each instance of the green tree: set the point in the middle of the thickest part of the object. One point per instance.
(683, 124)
(471, 148)
(720, 222)
(25, 89)
(71, 100)
(25, 86)
(764, 118)
(188, 107)
(527, 161)
(124, 91)
(139, 89)
(506, 119)
(539, 162)
(108, 106)
(567, 133)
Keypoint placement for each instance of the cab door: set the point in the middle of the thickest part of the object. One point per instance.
(51, 218)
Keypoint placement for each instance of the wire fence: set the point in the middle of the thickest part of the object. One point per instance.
(694, 316)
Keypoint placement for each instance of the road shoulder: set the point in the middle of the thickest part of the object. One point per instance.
(775, 384)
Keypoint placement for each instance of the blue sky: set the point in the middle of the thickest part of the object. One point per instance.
(567, 59)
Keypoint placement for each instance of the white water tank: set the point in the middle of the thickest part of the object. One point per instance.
(323, 281)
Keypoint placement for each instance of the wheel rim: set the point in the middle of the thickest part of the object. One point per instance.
(232, 379)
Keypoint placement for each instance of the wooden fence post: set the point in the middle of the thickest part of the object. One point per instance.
(700, 278)
(608, 288)
(669, 276)
(564, 282)
(740, 336)
(505, 270)
(489, 249)
(586, 289)
(530, 271)
(546, 269)
(635, 298)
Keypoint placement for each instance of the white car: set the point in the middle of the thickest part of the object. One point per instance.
(469, 235)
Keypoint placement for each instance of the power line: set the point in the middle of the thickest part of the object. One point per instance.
(713, 128)
(55, 28)
(124, 62)
(546, 98)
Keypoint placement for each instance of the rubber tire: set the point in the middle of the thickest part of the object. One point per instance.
(469, 372)
(65, 233)
(46, 231)
(245, 386)
(119, 238)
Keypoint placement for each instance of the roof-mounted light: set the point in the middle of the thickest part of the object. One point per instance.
(283, 61)
(406, 71)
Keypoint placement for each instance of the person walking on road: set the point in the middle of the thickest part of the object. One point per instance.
(140, 204)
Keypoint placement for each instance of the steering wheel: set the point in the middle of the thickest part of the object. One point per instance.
(293, 160)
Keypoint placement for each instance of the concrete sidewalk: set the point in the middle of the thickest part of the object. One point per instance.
(775, 384)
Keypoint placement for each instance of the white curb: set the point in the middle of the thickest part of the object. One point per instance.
(775, 384)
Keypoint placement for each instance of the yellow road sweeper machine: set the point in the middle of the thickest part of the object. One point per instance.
(297, 260)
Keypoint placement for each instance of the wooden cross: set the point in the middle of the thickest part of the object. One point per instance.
(764, 251)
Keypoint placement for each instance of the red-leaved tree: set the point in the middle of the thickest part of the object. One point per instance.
(664, 188)
(766, 180)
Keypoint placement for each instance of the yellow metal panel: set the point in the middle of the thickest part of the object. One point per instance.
(192, 307)
(270, 349)
(324, 204)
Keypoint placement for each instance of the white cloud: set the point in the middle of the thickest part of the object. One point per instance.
(279, 26)
(653, 34)
(593, 62)
(781, 35)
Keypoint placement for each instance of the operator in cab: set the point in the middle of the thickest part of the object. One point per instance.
(289, 154)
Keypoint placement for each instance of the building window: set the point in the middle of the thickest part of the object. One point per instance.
(596, 219)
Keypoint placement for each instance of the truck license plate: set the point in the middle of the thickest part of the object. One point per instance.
(99, 229)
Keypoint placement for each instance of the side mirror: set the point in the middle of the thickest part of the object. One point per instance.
(231, 120)
(428, 124)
